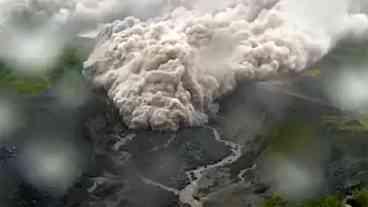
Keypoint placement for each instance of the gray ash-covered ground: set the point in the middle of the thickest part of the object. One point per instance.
(164, 157)
(125, 158)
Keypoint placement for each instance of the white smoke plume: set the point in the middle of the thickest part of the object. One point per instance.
(33, 33)
(168, 72)
(75, 12)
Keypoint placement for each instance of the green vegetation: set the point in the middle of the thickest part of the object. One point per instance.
(313, 72)
(360, 197)
(275, 201)
(70, 62)
(22, 84)
(329, 201)
(347, 123)
(289, 137)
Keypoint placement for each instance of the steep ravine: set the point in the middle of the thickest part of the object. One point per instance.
(187, 194)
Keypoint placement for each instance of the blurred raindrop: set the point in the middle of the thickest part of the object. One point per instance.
(350, 90)
(51, 166)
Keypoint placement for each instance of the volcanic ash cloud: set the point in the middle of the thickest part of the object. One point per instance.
(167, 72)
(33, 33)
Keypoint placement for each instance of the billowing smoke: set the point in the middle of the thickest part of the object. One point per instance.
(34, 32)
(74, 13)
(167, 72)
